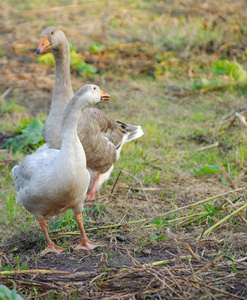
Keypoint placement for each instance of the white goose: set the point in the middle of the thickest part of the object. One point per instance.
(102, 137)
(49, 181)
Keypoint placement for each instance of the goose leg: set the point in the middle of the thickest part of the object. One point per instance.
(91, 195)
(85, 243)
(51, 247)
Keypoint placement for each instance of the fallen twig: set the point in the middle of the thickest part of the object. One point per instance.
(223, 220)
(5, 93)
(207, 147)
(241, 119)
(184, 219)
(164, 262)
(32, 271)
(210, 264)
(193, 282)
(162, 215)
(223, 172)
(219, 290)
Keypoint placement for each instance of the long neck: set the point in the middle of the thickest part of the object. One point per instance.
(62, 92)
(71, 161)
(70, 120)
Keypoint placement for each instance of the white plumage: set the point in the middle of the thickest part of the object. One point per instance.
(49, 181)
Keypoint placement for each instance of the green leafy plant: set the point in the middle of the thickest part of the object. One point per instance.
(47, 59)
(210, 209)
(31, 136)
(97, 47)
(235, 75)
(208, 169)
(211, 212)
(154, 237)
(80, 65)
(6, 268)
(7, 294)
(234, 268)
(231, 68)
(160, 222)
(67, 220)
(22, 266)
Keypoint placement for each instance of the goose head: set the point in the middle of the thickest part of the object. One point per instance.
(51, 38)
(90, 94)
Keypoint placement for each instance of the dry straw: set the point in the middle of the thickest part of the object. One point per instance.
(174, 211)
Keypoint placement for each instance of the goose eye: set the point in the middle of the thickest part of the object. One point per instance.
(94, 88)
(52, 32)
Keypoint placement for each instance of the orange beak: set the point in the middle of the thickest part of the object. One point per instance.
(44, 45)
(104, 96)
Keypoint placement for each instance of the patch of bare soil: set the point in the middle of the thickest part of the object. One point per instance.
(129, 264)
(116, 271)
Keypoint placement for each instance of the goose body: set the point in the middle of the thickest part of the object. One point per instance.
(102, 138)
(50, 181)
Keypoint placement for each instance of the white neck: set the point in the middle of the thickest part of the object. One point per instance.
(62, 93)
(71, 161)
(70, 120)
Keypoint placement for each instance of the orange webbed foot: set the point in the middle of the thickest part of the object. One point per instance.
(52, 248)
(87, 245)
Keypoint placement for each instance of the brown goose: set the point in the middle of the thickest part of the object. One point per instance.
(50, 181)
(102, 138)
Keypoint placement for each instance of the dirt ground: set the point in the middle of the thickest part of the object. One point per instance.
(124, 267)
(176, 266)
